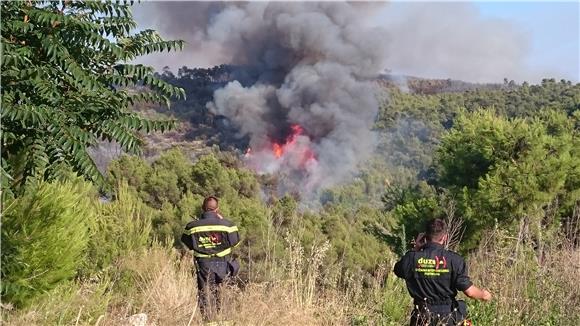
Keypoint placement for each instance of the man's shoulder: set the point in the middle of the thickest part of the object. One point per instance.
(409, 254)
(192, 224)
(209, 221)
(427, 251)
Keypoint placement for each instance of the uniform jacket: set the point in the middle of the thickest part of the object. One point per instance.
(210, 236)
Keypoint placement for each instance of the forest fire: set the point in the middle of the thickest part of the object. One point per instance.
(302, 92)
(278, 150)
(294, 152)
(304, 154)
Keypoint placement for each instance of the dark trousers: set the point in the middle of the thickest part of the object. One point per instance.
(438, 315)
(211, 274)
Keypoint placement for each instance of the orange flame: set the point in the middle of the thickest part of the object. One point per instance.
(278, 150)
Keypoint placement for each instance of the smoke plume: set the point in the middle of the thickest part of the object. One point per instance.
(310, 105)
(310, 111)
(453, 40)
(424, 39)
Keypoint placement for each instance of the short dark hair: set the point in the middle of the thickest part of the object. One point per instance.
(436, 229)
(210, 203)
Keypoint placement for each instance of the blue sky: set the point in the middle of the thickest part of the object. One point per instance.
(553, 29)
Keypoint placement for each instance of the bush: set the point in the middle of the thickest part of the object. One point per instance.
(44, 236)
(121, 226)
(491, 164)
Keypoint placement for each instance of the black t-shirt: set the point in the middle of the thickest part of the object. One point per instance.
(433, 274)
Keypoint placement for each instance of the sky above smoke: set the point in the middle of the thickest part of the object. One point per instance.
(459, 40)
(451, 39)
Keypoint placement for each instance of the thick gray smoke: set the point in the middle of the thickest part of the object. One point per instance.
(310, 113)
(453, 40)
(424, 39)
(311, 107)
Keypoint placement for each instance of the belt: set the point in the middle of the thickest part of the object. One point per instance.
(222, 253)
(442, 302)
(212, 258)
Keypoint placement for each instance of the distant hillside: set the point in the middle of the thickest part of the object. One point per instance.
(203, 126)
(418, 85)
(410, 105)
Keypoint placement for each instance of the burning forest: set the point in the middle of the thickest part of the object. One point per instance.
(309, 109)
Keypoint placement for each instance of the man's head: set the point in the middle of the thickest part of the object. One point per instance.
(436, 230)
(210, 204)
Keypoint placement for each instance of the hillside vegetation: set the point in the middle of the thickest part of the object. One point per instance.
(510, 184)
(500, 163)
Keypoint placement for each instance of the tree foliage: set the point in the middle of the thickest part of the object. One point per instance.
(174, 186)
(519, 172)
(65, 81)
(44, 236)
(513, 170)
(120, 227)
(504, 156)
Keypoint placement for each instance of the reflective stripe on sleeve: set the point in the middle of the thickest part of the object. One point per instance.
(213, 228)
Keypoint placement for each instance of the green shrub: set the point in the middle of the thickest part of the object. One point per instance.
(121, 226)
(44, 236)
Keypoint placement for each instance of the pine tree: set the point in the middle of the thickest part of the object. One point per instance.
(44, 236)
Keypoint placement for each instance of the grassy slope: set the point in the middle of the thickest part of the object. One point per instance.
(158, 282)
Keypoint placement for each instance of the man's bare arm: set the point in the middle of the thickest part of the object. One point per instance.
(476, 293)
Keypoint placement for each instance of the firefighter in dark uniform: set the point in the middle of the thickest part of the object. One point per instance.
(434, 275)
(211, 238)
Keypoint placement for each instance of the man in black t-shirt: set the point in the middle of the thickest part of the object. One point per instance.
(211, 238)
(434, 275)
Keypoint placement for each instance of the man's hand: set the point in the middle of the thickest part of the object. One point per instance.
(419, 241)
(486, 296)
(476, 293)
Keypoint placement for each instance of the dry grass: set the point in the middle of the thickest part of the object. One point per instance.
(527, 290)
(165, 285)
(159, 283)
(167, 292)
(162, 286)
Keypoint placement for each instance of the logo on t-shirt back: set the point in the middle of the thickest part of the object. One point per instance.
(431, 266)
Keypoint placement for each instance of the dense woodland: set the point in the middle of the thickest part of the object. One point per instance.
(501, 162)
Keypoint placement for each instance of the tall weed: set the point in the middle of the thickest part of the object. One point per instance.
(527, 290)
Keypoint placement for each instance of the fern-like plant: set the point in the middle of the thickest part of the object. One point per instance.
(66, 84)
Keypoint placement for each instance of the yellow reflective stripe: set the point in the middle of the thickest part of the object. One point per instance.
(219, 254)
(207, 245)
(213, 228)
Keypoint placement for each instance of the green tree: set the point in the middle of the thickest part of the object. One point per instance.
(66, 85)
(44, 236)
(521, 171)
(410, 207)
(120, 226)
